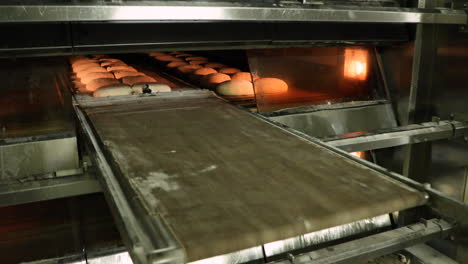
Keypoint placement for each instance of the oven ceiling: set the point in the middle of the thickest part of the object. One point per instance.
(74, 27)
(47, 39)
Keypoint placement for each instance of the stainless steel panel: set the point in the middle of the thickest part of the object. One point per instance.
(162, 11)
(139, 37)
(450, 93)
(37, 133)
(449, 160)
(397, 63)
(449, 168)
(34, 158)
(417, 156)
(257, 253)
(326, 235)
(29, 38)
(117, 258)
(252, 255)
(326, 123)
(40, 190)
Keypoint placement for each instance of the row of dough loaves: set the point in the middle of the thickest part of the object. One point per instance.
(225, 80)
(102, 76)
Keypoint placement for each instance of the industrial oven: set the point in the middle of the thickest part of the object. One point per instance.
(234, 131)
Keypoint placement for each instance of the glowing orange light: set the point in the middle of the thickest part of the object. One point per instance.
(359, 154)
(355, 64)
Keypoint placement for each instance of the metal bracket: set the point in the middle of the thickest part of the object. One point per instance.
(425, 132)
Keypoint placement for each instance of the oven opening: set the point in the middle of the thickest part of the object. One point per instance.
(314, 76)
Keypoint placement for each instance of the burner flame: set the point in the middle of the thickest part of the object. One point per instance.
(355, 66)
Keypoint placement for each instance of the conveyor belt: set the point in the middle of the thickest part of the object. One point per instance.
(225, 180)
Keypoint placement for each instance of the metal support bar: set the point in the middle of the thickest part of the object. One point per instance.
(417, 157)
(148, 11)
(400, 136)
(48, 189)
(376, 245)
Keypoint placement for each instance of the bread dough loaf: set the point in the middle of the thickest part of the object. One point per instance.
(84, 61)
(95, 75)
(183, 55)
(186, 69)
(113, 90)
(82, 73)
(235, 88)
(121, 68)
(175, 64)
(198, 74)
(109, 60)
(212, 80)
(84, 66)
(113, 63)
(131, 80)
(214, 65)
(270, 86)
(204, 71)
(123, 74)
(246, 76)
(99, 83)
(155, 87)
(229, 70)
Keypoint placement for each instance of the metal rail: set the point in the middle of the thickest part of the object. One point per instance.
(48, 189)
(146, 244)
(148, 11)
(375, 245)
(400, 136)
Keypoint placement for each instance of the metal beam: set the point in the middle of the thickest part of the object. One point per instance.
(375, 245)
(48, 189)
(411, 134)
(418, 157)
(158, 11)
